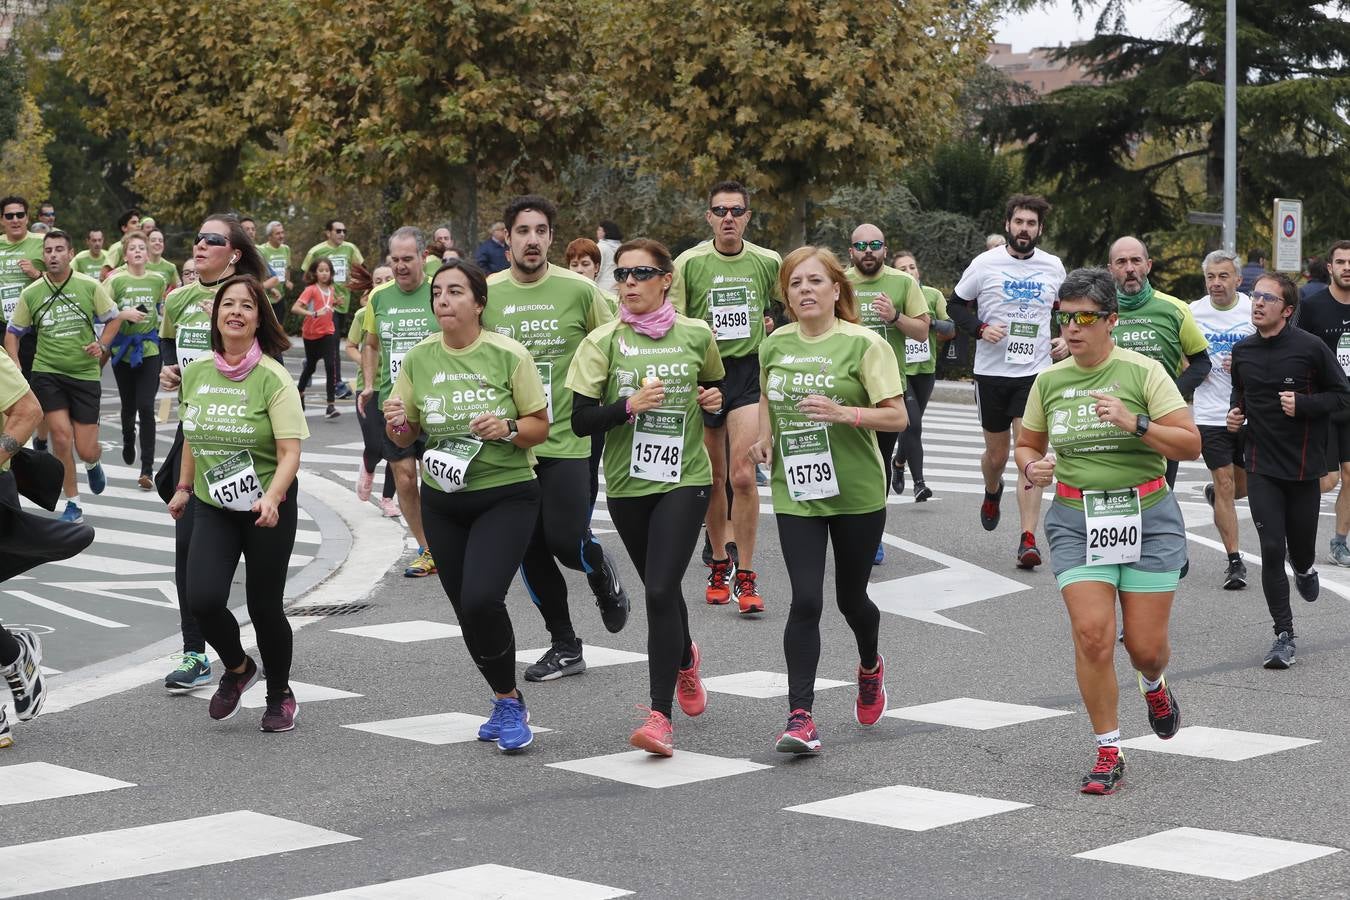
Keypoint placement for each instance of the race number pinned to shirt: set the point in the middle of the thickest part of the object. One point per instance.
(807, 464)
(730, 308)
(9, 299)
(546, 376)
(234, 483)
(916, 351)
(194, 342)
(1021, 343)
(1342, 347)
(1114, 526)
(448, 463)
(339, 269)
(395, 364)
(658, 445)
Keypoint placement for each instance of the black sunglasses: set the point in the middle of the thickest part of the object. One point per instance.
(860, 246)
(721, 211)
(339, 231)
(211, 239)
(641, 273)
(17, 215)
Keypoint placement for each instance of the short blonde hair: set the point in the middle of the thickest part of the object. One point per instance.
(846, 307)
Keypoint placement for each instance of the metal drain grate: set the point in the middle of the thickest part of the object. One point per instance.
(329, 609)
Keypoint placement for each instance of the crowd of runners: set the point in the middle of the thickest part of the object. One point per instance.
(499, 388)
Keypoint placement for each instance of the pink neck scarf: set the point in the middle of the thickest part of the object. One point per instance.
(654, 324)
(240, 371)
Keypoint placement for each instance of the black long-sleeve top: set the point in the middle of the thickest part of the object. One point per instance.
(1281, 446)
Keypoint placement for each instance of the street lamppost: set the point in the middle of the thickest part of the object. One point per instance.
(1230, 131)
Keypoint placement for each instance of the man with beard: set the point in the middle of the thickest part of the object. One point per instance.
(1005, 299)
(891, 304)
(550, 310)
(1326, 314)
(1155, 324)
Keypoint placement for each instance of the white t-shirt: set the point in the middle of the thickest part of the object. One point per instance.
(1222, 328)
(1019, 294)
(606, 277)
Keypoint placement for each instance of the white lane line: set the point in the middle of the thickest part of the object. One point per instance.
(61, 608)
(27, 782)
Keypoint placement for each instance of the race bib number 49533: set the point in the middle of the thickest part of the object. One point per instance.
(1021, 343)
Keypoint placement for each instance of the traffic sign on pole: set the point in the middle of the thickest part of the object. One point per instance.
(1288, 228)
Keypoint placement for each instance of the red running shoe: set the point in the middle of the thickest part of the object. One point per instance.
(800, 735)
(689, 690)
(719, 573)
(1107, 773)
(871, 702)
(747, 595)
(656, 735)
(1028, 556)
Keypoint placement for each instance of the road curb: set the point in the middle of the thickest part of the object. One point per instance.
(954, 392)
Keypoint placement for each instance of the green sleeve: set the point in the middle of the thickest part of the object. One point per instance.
(288, 417)
(599, 313)
(403, 390)
(1192, 338)
(526, 387)
(309, 258)
(23, 316)
(356, 256)
(167, 327)
(104, 303)
(880, 372)
(676, 292)
(358, 329)
(713, 369)
(1160, 392)
(1033, 417)
(589, 372)
(915, 304)
(13, 386)
(940, 308)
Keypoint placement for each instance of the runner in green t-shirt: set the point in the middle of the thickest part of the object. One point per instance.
(127, 222)
(343, 255)
(829, 385)
(242, 427)
(155, 261)
(135, 351)
(731, 283)
(643, 382)
(20, 264)
(92, 260)
(62, 308)
(278, 258)
(400, 318)
(550, 310)
(476, 397)
(920, 367)
(891, 304)
(1115, 531)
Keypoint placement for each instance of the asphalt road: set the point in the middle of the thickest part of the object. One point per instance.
(974, 797)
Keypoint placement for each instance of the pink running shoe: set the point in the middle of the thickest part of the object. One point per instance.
(689, 690)
(871, 702)
(800, 736)
(655, 736)
(363, 483)
(389, 506)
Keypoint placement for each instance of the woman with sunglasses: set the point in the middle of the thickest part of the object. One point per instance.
(221, 250)
(135, 350)
(242, 427)
(828, 384)
(479, 400)
(643, 381)
(1286, 384)
(1114, 417)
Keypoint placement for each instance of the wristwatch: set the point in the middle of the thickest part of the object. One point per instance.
(512, 429)
(1141, 424)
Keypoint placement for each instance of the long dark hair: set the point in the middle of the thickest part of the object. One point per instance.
(270, 334)
(250, 261)
(477, 280)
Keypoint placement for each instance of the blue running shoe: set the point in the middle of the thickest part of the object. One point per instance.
(72, 513)
(881, 555)
(193, 670)
(509, 725)
(97, 479)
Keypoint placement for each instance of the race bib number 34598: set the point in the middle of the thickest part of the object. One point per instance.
(730, 308)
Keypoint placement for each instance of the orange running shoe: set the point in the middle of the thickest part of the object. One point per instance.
(689, 690)
(719, 573)
(747, 595)
(655, 736)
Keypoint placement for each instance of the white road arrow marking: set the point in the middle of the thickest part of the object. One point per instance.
(922, 596)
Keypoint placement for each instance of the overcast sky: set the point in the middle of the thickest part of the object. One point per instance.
(1055, 23)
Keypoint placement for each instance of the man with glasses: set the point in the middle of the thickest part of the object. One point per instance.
(20, 265)
(730, 283)
(47, 214)
(62, 308)
(343, 255)
(1326, 314)
(1004, 300)
(1286, 385)
(1225, 317)
(891, 304)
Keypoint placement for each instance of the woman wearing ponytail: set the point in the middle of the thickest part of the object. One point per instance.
(642, 380)
(242, 427)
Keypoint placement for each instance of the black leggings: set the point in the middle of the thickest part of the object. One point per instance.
(219, 537)
(372, 435)
(342, 322)
(562, 533)
(660, 532)
(855, 539)
(137, 386)
(193, 642)
(477, 539)
(597, 451)
(1285, 515)
(911, 442)
(321, 349)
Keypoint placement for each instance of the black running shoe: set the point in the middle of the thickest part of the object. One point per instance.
(989, 509)
(707, 549)
(1308, 585)
(1235, 579)
(1028, 555)
(1164, 713)
(128, 448)
(560, 660)
(1209, 495)
(898, 477)
(609, 594)
(1281, 655)
(1106, 775)
(922, 493)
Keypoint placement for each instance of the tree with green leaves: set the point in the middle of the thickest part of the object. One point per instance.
(793, 99)
(1135, 153)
